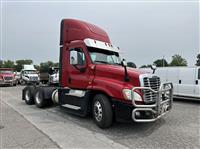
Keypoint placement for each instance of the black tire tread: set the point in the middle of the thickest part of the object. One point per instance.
(107, 118)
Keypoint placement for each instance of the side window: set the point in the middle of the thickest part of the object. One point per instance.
(77, 56)
(199, 74)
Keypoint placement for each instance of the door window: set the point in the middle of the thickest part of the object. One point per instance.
(77, 56)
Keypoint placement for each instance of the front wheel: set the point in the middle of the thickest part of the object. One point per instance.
(102, 111)
(22, 82)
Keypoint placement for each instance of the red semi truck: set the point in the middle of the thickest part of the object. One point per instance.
(93, 80)
(7, 77)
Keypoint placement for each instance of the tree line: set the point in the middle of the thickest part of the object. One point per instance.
(177, 60)
(18, 65)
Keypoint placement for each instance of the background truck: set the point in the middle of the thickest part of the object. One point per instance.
(94, 80)
(29, 75)
(186, 80)
(54, 76)
(7, 77)
(51, 77)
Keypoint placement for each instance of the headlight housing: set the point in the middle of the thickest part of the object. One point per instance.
(129, 95)
(137, 96)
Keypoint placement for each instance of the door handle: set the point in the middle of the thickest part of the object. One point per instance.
(69, 80)
(196, 82)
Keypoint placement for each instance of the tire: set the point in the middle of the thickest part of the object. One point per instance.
(102, 111)
(22, 82)
(40, 102)
(28, 95)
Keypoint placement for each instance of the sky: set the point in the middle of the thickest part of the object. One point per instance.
(144, 30)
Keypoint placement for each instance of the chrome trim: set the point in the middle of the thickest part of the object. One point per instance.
(54, 96)
(71, 106)
(156, 107)
(100, 44)
(77, 93)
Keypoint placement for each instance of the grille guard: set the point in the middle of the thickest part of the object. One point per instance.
(155, 108)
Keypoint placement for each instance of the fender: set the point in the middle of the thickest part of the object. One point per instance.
(111, 87)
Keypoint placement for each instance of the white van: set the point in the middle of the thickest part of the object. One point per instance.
(186, 80)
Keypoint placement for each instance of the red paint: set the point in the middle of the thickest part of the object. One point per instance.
(102, 77)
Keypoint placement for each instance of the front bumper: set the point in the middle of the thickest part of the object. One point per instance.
(6, 82)
(162, 105)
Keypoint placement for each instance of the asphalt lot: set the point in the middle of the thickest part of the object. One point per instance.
(178, 129)
(17, 132)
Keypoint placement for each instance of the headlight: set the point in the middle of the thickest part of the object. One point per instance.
(137, 96)
(127, 94)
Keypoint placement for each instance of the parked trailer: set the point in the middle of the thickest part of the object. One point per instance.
(93, 79)
(185, 80)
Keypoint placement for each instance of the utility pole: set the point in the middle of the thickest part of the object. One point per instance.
(163, 61)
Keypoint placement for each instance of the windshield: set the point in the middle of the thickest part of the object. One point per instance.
(30, 72)
(104, 56)
(6, 71)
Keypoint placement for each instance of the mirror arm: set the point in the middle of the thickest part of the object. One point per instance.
(76, 67)
(80, 69)
(126, 77)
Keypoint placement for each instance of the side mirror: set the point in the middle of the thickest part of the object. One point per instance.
(124, 63)
(73, 57)
(153, 67)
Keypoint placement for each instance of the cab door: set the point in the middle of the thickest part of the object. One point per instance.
(79, 76)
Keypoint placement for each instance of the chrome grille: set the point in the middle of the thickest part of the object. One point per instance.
(33, 78)
(8, 78)
(153, 83)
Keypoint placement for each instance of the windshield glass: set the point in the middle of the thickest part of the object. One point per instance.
(6, 71)
(30, 72)
(104, 56)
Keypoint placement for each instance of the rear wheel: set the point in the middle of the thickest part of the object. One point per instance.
(28, 96)
(39, 98)
(102, 111)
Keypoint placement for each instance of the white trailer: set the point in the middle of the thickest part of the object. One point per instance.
(186, 80)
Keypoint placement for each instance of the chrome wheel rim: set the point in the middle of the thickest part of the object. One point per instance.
(27, 95)
(37, 98)
(98, 111)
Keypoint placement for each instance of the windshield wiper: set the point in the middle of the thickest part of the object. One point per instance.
(101, 62)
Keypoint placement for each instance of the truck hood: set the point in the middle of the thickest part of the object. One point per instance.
(117, 73)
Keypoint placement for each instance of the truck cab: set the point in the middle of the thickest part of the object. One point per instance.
(29, 75)
(7, 77)
(53, 76)
(93, 79)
